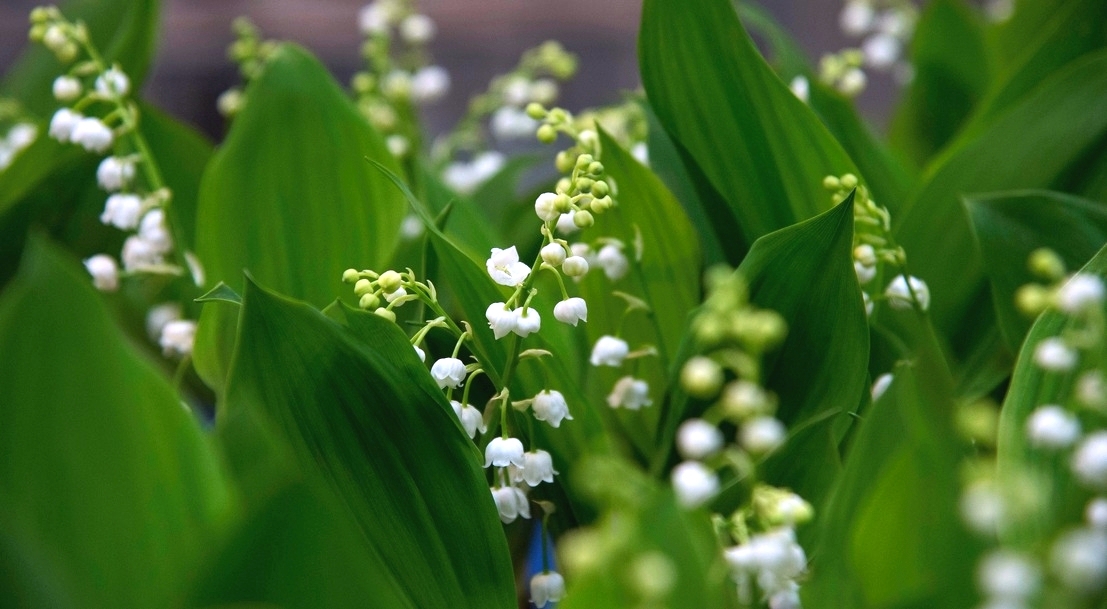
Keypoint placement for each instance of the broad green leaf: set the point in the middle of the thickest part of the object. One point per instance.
(886, 175)
(890, 535)
(124, 31)
(805, 273)
(105, 477)
(1010, 225)
(949, 56)
(761, 148)
(1029, 147)
(290, 197)
(361, 413)
(1054, 497)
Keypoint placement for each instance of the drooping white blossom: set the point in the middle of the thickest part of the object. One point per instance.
(1005, 574)
(575, 266)
(113, 84)
(538, 468)
(881, 51)
(1080, 292)
(104, 271)
(762, 434)
(630, 393)
(900, 295)
(66, 88)
(609, 351)
(553, 254)
(613, 261)
(502, 452)
(114, 173)
(701, 377)
(511, 503)
(571, 310)
(177, 337)
(857, 17)
(1052, 427)
(745, 399)
(122, 211)
(801, 88)
(465, 178)
(92, 134)
(1096, 513)
(527, 321)
(158, 316)
(566, 223)
(501, 319)
(154, 230)
(698, 439)
(471, 419)
(1089, 461)
(504, 267)
(694, 483)
(448, 372)
(417, 29)
(422, 354)
(1079, 559)
(512, 123)
(546, 587)
(550, 406)
(63, 123)
(544, 208)
(1054, 355)
(139, 255)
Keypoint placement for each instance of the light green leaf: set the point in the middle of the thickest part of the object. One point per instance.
(361, 414)
(949, 56)
(290, 197)
(105, 477)
(761, 148)
(1031, 146)
(889, 536)
(1010, 225)
(1056, 497)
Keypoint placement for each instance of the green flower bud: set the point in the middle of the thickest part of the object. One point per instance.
(38, 31)
(1031, 299)
(701, 377)
(583, 219)
(602, 204)
(363, 287)
(585, 184)
(39, 14)
(849, 181)
(600, 188)
(536, 111)
(562, 203)
(558, 115)
(595, 168)
(390, 281)
(362, 83)
(547, 134)
(564, 162)
(584, 160)
(1046, 264)
(369, 301)
(350, 276)
(68, 52)
(653, 575)
(385, 313)
(831, 183)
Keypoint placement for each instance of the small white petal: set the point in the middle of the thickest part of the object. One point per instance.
(609, 351)
(694, 483)
(550, 406)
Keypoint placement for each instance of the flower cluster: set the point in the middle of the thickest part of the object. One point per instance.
(734, 335)
(886, 27)
(874, 247)
(501, 110)
(99, 116)
(1070, 426)
(250, 52)
(398, 71)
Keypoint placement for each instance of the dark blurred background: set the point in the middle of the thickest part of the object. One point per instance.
(476, 40)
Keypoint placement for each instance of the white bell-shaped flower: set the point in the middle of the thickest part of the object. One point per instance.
(698, 439)
(801, 88)
(501, 319)
(63, 123)
(1052, 427)
(1054, 355)
(158, 316)
(417, 29)
(430, 84)
(471, 419)
(448, 372)
(613, 261)
(1079, 559)
(550, 406)
(104, 271)
(762, 434)
(92, 134)
(527, 322)
(122, 211)
(1096, 513)
(505, 268)
(139, 255)
(857, 17)
(694, 483)
(1005, 574)
(630, 393)
(177, 337)
(899, 294)
(154, 230)
(1089, 462)
(575, 266)
(571, 310)
(114, 173)
(546, 587)
(502, 452)
(609, 351)
(537, 469)
(113, 83)
(566, 224)
(544, 207)
(422, 354)
(1081, 292)
(66, 88)
(511, 503)
(553, 254)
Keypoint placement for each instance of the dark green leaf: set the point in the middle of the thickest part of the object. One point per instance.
(290, 197)
(362, 414)
(105, 476)
(761, 148)
(1010, 225)
(221, 293)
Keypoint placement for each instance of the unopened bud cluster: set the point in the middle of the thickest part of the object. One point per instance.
(886, 28)
(250, 51)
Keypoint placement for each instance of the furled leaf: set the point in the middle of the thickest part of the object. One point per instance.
(361, 413)
(949, 56)
(290, 197)
(762, 149)
(1010, 225)
(105, 477)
